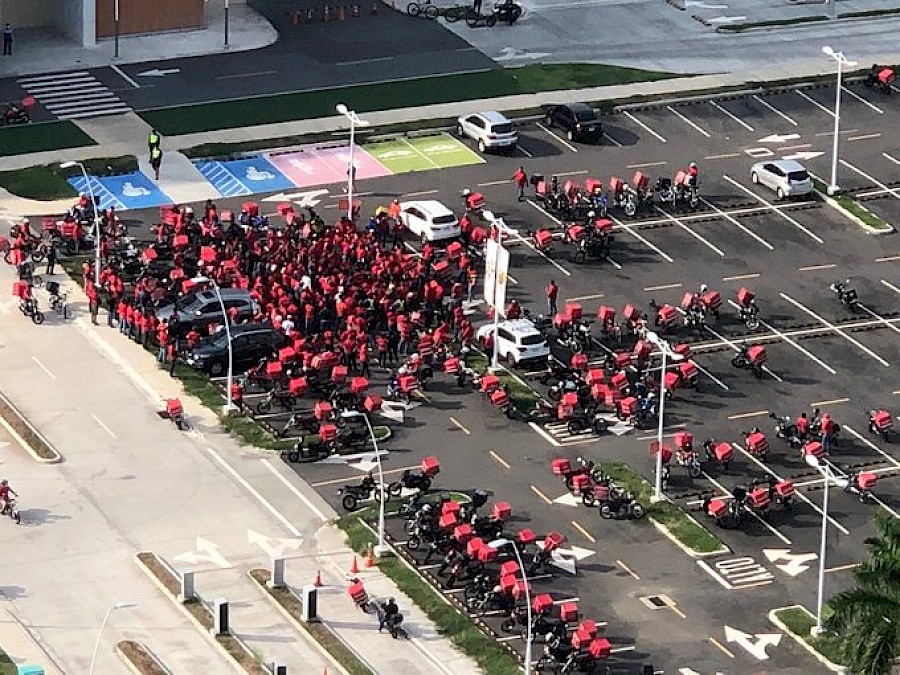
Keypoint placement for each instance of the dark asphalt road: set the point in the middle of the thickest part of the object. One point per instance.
(788, 255)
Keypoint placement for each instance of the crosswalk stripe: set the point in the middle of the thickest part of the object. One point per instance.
(94, 113)
(38, 78)
(94, 104)
(65, 97)
(74, 95)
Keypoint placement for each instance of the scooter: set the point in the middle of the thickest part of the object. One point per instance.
(880, 423)
(411, 481)
(368, 488)
(11, 509)
(304, 452)
(786, 430)
(846, 294)
(728, 515)
(625, 506)
(749, 314)
(13, 114)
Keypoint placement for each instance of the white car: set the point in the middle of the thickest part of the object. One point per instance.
(490, 130)
(518, 340)
(788, 178)
(429, 220)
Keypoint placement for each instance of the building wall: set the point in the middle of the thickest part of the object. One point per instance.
(68, 19)
(141, 16)
(25, 13)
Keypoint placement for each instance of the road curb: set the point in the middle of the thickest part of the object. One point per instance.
(21, 441)
(199, 626)
(131, 666)
(305, 633)
(833, 667)
(833, 203)
(694, 554)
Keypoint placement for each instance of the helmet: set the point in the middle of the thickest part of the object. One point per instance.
(426, 508)
(693, 165)
(466, 192)
(4, 482)
(592, 214)
(703, 288)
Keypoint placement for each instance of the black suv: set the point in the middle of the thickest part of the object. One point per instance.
(578, 120)
(250, 342)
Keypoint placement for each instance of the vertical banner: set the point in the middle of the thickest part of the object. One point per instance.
(496, 268)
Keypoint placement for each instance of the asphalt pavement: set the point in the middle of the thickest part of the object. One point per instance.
(820, 355)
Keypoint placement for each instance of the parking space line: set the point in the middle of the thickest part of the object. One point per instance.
(596, 296)
(815, 103)
(538, 207)
(665, 256)
(862, 100)
(791, 342)
(721, 487)
(612, 140)
(739, 277)
(802, 146)
(816, 238)
(758, 413)
(731, 115)
(869, 443)
(490, 183)
(891, 158)
(43, 367)
(888, 259)
(891, 286)
(863, 137)
(813, 268)
(499, 459)
(664, 287)
(726, 155)
(460, 426)
(519, 148)
(734, 347)
(687, 121)
(834, 401)
(846, 132)
(852, 340)
(722, 648)
(894, 192)
(545, 256)
(628, 570)
(843, 568)
(645, 165)
(103, 426)
(426, 192)
(734, 221)
(695, 235)
(556, 138)
(540, 494)
(774, 110)
(643, 126)
(878, 317)
(587, 535)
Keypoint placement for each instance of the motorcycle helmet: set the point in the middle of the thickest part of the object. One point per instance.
(703, 288)
(592, 214)
(466, 192)
(4, 482)
(692, 165)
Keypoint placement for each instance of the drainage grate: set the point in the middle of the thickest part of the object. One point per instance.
(655, 601)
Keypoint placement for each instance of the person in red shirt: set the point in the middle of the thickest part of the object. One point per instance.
(802, 424)
(162, 337)
(552, 294)
(93, 295)
(362, 355)
(520, 178)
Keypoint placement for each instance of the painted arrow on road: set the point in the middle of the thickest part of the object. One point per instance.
(274, 547)
(566, 559)
(756, 644)
(804, 155)
(302, 199)
(568, 499)
(206, 551)
(795, 563)
(779, 138)
(726, 19)
(156, 72)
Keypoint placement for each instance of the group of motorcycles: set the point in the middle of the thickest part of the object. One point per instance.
(587, 480)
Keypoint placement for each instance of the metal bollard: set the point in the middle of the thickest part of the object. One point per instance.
(278, 668)
(220, 617)
(309, 597)
(276, 579)
(187, 587)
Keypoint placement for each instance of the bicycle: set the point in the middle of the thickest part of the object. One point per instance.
(426, 9)
(475, 19)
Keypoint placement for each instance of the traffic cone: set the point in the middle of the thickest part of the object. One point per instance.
(370, 559)
(341, 15)
(318, 582)
(354, 568)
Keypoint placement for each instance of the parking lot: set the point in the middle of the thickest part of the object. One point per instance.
(821, 355)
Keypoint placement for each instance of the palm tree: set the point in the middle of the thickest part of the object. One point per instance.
(867, 618)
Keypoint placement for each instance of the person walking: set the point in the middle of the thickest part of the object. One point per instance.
(7, 39)
(520, 178)
(156, 160)
(552, 294)
(93, 294)
(153, 141)
(51, 259)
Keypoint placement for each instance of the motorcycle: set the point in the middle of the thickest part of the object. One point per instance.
(687, 457)
(306, 424)
(282, 397)
(11, 510)
(846, 294)
(752, 357)
(727, 514)
(587, 468)
(577, 337)
(880, 423)
(861, 483)
(30, 308)
(571, 383)
(541, 625)
(411, 481)
(625, 506)
(305, 452)
(786, 430)
(756, 443)
(718, 453)
(881, 77)
(368, 488)
(583, 420)
(749, 314)
(507, 12)
(780, 491)
(13, 114)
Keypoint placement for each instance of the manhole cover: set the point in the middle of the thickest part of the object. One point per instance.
(656, 601)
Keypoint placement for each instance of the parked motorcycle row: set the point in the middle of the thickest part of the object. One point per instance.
(597, 489)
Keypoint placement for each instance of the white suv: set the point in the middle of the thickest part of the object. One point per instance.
(518, 340)
(491, 130)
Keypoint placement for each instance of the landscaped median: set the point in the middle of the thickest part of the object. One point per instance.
(140, 659)
(521, 395)
(47, 182)
(853, 209)
(681, 527)
(42, 137)
(797, 621)
(25, 434)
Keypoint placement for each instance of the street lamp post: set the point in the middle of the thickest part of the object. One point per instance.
(825, 469)
(229, 406)
(500, 226)
(381, 549)
(227, 8)
(109, 611)
(666, 353)
(116, 21)
(355, 121)
(529, 638)
(96, 208)
(842, 61)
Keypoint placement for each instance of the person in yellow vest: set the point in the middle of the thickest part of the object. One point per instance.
(153, 140)
(156, 160)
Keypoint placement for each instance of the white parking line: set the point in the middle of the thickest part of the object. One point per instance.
(612, 140)
(774, 110)
(643, 126)
(878, 317)
(890, 258)
(816, 238)
(816, 268)
(695, 235)
(595, 296)
(891, 158)
(645, 165)
(863, 137)
(523, 151)
(641, 238)
(724, 340)
(739, 277)
(43, 367)
(834, 401)
(862, 100)
(852, 340)
(891, 286)
(814, 102)
(687, 121)
(103, 426)
(791, 342)
(731, 115)
(753, 513)
(874, 447)
(544, 211)
(663, 287)
(433, 192)
(299, 495)
(556, 138)
(459, 426)
(797, 493)
(541, 253)
(734, 221)
(726, 155)
(894, 192)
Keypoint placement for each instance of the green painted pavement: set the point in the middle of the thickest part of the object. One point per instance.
(435, 151)
(445, 151)
(398, 156)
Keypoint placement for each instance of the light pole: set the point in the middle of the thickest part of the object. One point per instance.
(116, 21)
(666, 353)
(842, 61)
(825, 469)
(96, 209)
(381, 549)
(227, 8)
(109, 611)
(500, 226)
(500, 543)
(355, 121)
(229, 406)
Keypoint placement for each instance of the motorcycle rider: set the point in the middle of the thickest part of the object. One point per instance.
(513, 310)
(802, 424)
(826, 428)
(5, 492)
(386, 609)
(693, 176)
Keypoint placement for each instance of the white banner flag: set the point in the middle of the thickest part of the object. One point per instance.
(496, 268)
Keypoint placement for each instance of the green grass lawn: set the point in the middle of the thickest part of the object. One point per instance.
(800, 621)
(7, 667)
(47, 182)
(20, 140)
(393, 95)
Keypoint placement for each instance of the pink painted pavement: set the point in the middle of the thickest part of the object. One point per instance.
(324, 165)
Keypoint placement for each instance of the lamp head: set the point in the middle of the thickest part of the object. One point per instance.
(499, 543)
(201, 279)
(828, 51)
(124, 605)
(68, 165)
(342, 109)
(812, 460)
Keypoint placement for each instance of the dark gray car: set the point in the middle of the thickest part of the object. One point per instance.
(199, 309)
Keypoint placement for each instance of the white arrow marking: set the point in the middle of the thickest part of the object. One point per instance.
(273, 550)
(779, 138)
(795, 561)
(691, 671)
(703, 5)
(356, 459)
(568, 499)
(156, 72)
(745, 640)
(303, 199)
(561, 559)
(726, 19)
(804, 155)
(206, 551)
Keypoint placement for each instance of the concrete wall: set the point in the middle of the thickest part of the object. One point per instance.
(25, 13)
(68, 19)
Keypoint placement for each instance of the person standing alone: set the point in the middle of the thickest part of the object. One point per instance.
(520, 178)
(153, 141)
(552, 293)
(156, 160)
(7, 39)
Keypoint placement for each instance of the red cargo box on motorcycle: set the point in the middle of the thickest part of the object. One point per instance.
(526, 536)
(448, 521)
(358, 593)
(323, 410)
(570, 189)
(543, 239)
(287, 354)
(568, 612)
(581, 639)
(431, 466)
(474, 201)
(486, 554)
(507, 583)
(208, 254)
(373, 403)
(561, 466)
(757, 355)
(866, 481)
(717, 508)
(666, 315)
(619, 381)
(814, 448)
(502, 511)
(297, 386)
(882, 420)
(595, 376)
(180, 241)
(599, 392)
(499, 397)
(406, 383)
(578, 361)
(562, 321)
(682, 178)
(631, 313)
(600, 648)
(462, 533)
(606, 315)
(20, 289)
(886, 76)
(575, 233)
(592, 185)
(688, 370)
(622, 359)
(712, 300)
(328, 432)
(553, 541)
(574, 310)
(672, 380)
(358, 385)
(273, 368)
(324, 360)
(451, 365)
(588, 626)
(250, 208)
(688, 300)
(759, 498)
(784, 488)
(339, 374)
(757, 443)
(569, 399)
(666, 451)
(641, 181)
(581, 484)
(442, 268)
(451, 507)
(509, 568)
(616, 185)
(174, 408)
(489, 383)
(454, 250)
(518, 590)
(723, 452)
(603, 226)
(684, 440)
(474, 545)
(642, 350)
(541, 604)
(682, 349)
(745, 296)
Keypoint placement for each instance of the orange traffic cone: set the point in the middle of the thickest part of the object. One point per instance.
(318, 582)
(354, 568)
(341, 15)
(370, 559)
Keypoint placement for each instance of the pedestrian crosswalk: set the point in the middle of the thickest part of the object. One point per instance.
(74, 95)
